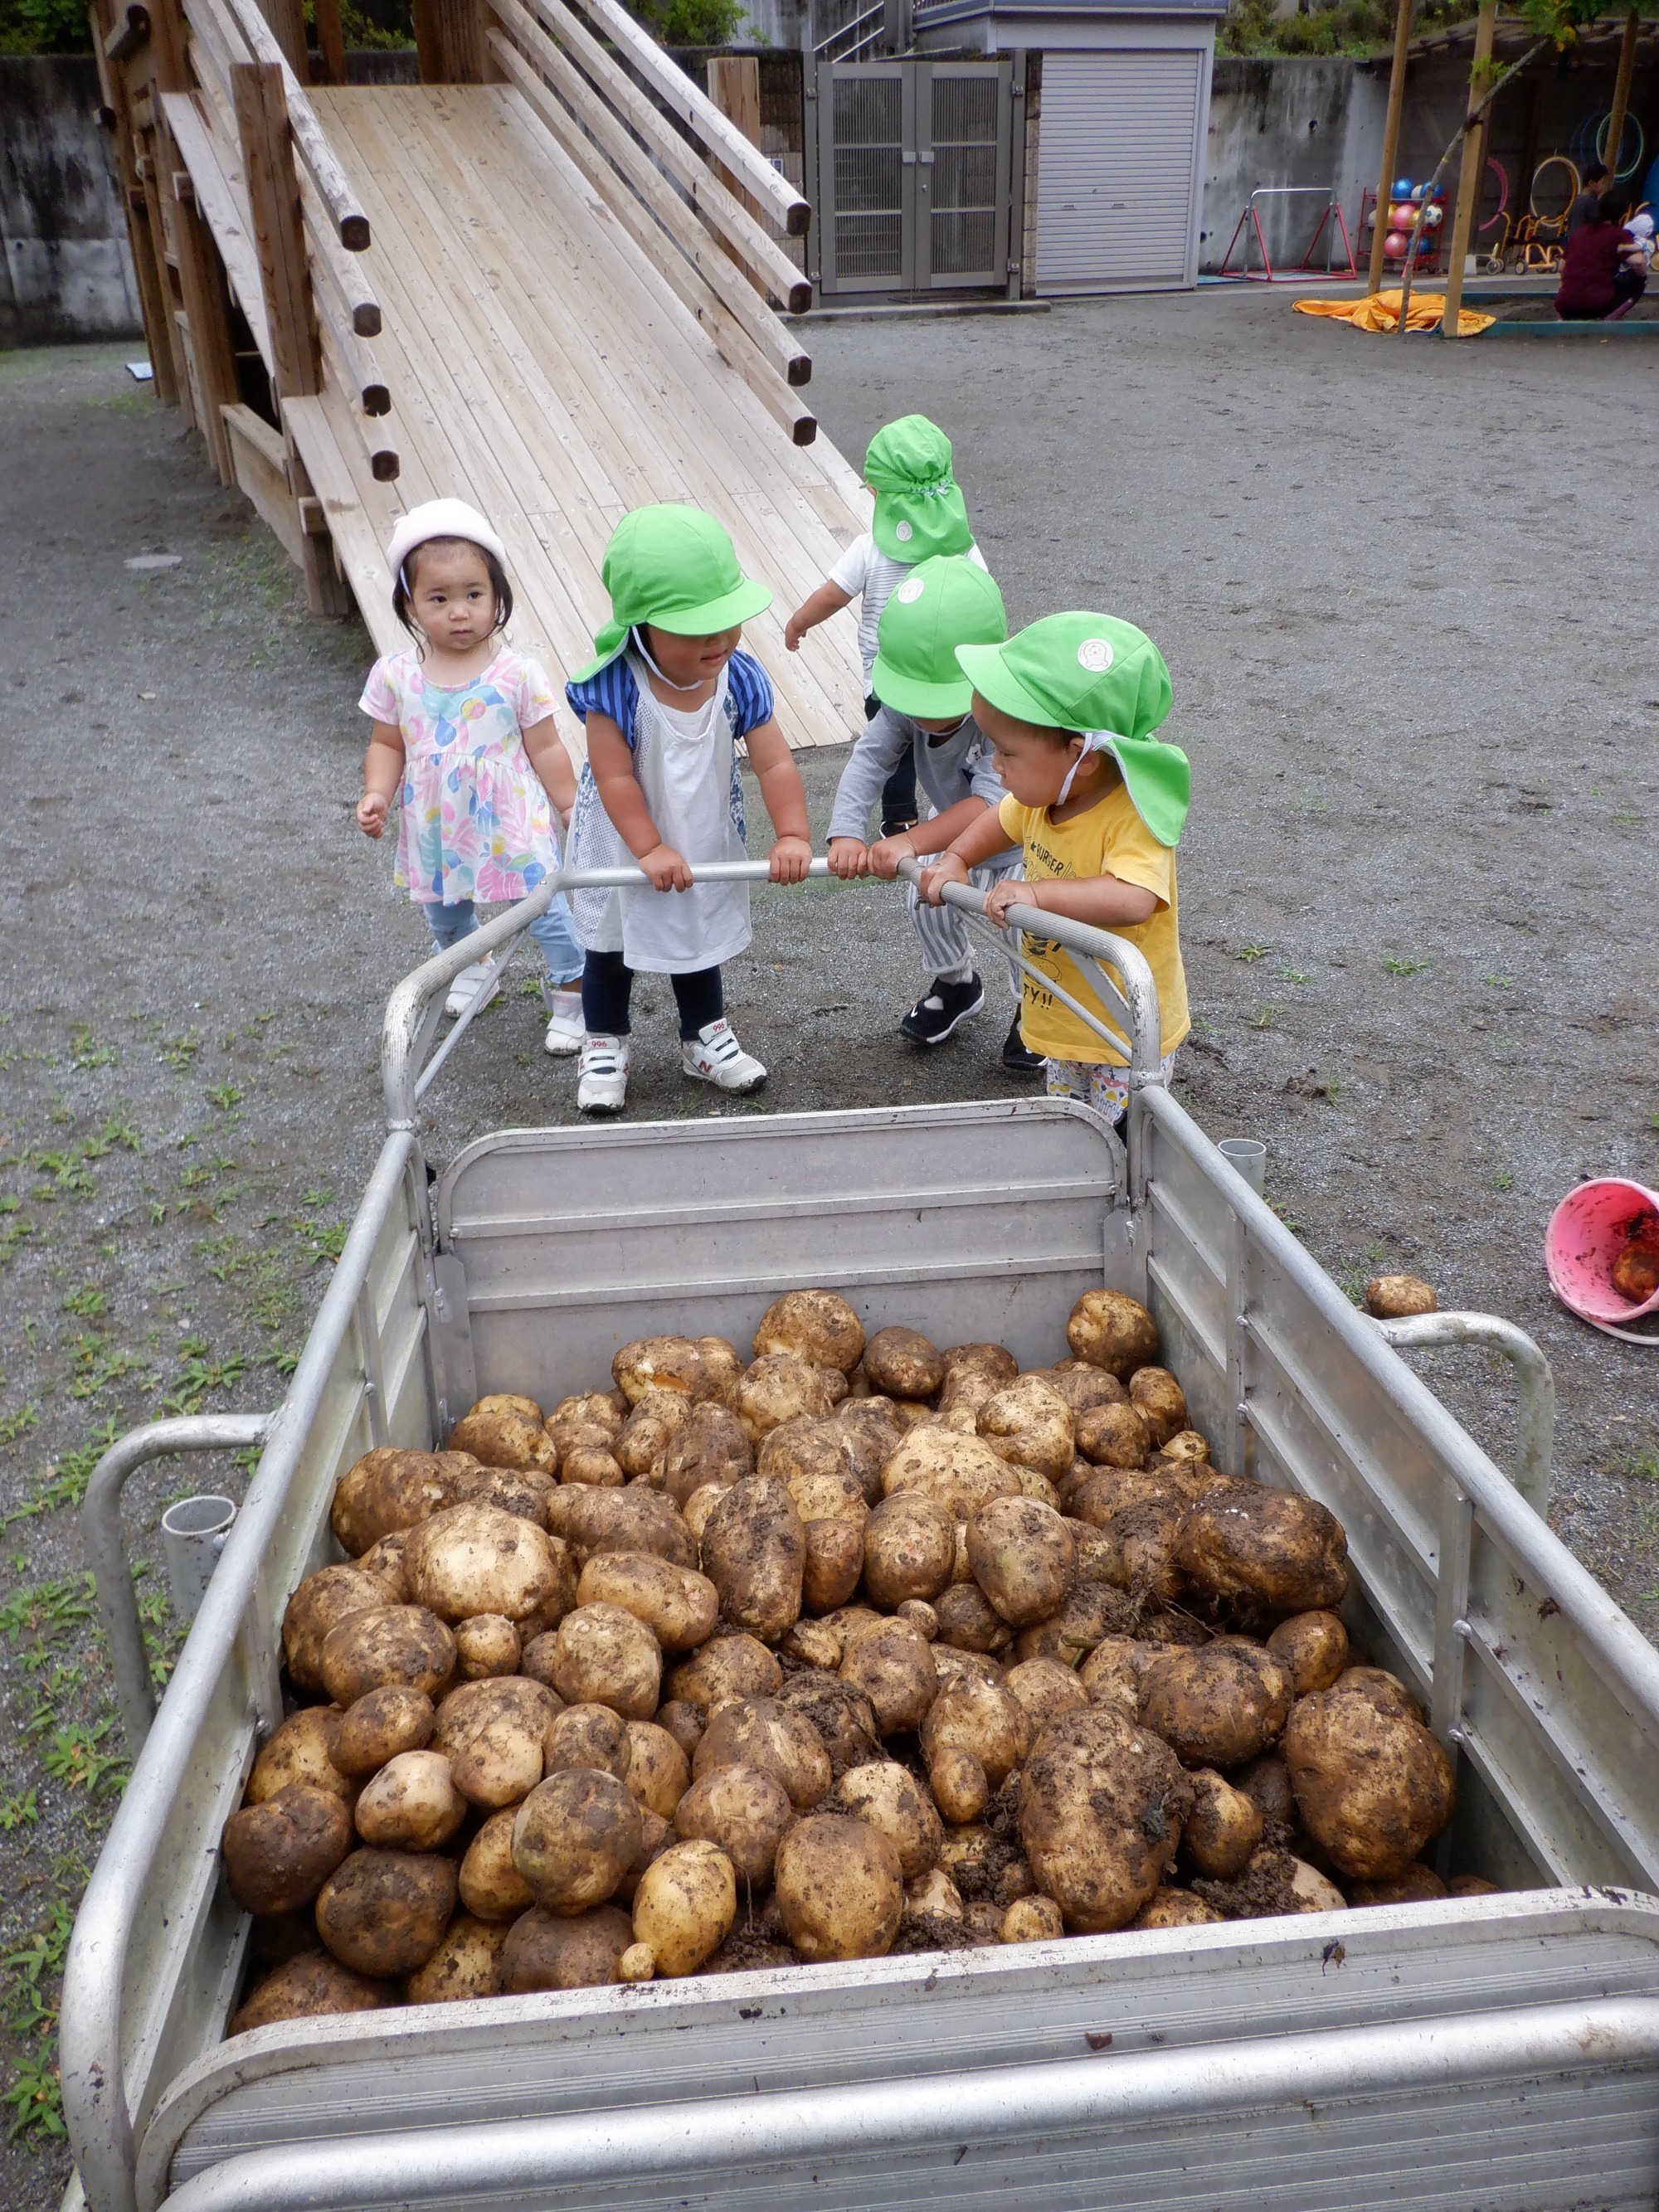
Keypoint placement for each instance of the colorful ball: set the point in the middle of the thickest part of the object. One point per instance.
(1418, 192)
(1435, 216)
(1402, 190)
(1394, 243)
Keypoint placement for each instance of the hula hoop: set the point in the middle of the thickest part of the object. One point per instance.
(1631, 121)
(1550, 161)
(1492, 222)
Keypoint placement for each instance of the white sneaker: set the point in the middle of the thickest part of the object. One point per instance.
(601, 1075)
(565, 1029)
(472, 983)
(718, 1058)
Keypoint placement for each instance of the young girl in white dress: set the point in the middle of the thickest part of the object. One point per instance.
(464, 732)
(663, 701)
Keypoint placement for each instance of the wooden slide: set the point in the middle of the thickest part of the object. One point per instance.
(551, 294)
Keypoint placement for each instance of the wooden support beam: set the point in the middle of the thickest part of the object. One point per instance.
(449, 41)
(287, 26)
(207, 311)
(261, 475)
(330, 41)
(734, 88)
(1621, 91)
(1403, 39)
(1473, 163)
(312, 146)
(215, 200)
(145, 249)
(131, 31)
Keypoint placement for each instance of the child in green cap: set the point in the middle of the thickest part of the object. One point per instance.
(923, 717)
(1096, 803)
(664, 700)
(920, 513)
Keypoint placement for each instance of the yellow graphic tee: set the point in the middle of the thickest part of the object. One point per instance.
(1110, 839)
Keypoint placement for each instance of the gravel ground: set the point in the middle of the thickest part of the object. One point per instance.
(1424, 970)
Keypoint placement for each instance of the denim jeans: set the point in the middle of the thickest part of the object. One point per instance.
(551, 931)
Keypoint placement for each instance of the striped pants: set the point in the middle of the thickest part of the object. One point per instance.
(947, 950)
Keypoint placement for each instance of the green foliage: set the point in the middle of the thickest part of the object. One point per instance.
(1367, 27)
(689, 22)
(44, 27)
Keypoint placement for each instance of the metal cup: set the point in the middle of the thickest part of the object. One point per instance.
(193, 1534)
(1249, 1155)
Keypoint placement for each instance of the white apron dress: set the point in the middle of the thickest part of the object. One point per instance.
(685, 764)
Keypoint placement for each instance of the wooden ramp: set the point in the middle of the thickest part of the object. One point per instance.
(551, 294)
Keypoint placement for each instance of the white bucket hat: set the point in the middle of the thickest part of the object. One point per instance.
(441, 518)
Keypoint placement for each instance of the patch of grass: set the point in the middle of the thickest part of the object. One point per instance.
(86, 1051)
(325, 1239)
(1500, 982)
(50, 1608)
(1643, 1466)
(1405, 967)
(1502, 1180)
(97, 1366)
(14, 1232)
(1262, 1019)
(89, 1302)
(180, 1051)
(73, 1757)
(18, 1811)
(1248, 952)
(64, 1482)
(1294, 975)
(19, 1423)
(226, 1096)
(202, 1372)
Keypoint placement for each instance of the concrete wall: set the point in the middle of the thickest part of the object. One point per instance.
(1293, 120)
(67, 272)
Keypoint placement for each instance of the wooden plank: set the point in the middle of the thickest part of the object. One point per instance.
(330, 40)
(273, 192)
(734, 88)
(313, 147)
(287, 21)
(131, 31)
(353, 533)
(775, 193)
(145, 258)
(766, 262)
(217, 200)
(262, 476)
(207, 313)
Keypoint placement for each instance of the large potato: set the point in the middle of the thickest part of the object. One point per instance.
(870, 1437)
(331, 1595)
(1174, 1908)
(1047, 1690)
(839, 1889)
(1266, 1544)
(383, 1565)
(593, 1465)
(959, 1472)
(476, 1559)
(501, 1436)
(302, 1750)
(1393, 1297)
(1100, 1805)
(389, 1489)
(492, 1734)
(405, 1643)
(1385, 1691)
(385, 1912)
(894, 1667)
(677, 1604)
(889, 1797)
(652, 1429)
(491, 1887)
(992, 1360)
(1106, 1491)
(967, 1620)
(713, 1447)
(1312, 1647)
(909, 1549)
(1372, 1786)
(380, 1725)
(1217, 1706)
(1094, 1610)
(589, 1736)
(524, 1491)
(743, 1810)
(1112, 1331)
(661, 1363)
(591, 1520)
(842, 1714)
(816, 1461)
(974, 1734)
(466, 1963)
(1030, 1425)
(1114, 1436)
(488, 1643)
(606, 1655)
(815, 1326)
(723, 1361)
(279, 1853)
(1223, 1829)
(951, 1663)
(587, 1418)
(1083, 1386)
(776, 1389)
(411, 1805)
(685, 1905)
(1160, 1401)
(901, 1363)
(549, 1951)
(1023, 1558)
(735, 1666)
(764, 1733)
(1136, 1549)
(306, 1987)
(1111, 1675)
(1032, 1920)
(575, 1837)
(834, 1562)
(658, 1773)
(754, 1552)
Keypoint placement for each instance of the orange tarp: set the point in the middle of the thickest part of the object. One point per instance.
(1381, 311)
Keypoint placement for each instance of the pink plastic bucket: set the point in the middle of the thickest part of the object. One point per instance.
(1587, 1232)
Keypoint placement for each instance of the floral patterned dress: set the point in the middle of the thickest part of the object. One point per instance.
(475, 821)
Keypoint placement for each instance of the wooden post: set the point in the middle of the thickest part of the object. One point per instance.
(146, 247)
(207, 316)
(451, 44)
(330, 41)
(734, 88)
(1621, 92)
(273, 192)
(286, 19)
(1403, 39)
(1468, 177)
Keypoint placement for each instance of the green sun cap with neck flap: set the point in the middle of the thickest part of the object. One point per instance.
(677, 569)
(1105, 679)
(919, 510)
(942, 604)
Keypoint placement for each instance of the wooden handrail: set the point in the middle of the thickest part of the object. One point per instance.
(309, 141)
(695, 108)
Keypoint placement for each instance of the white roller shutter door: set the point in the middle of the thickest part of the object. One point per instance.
(1117, 167)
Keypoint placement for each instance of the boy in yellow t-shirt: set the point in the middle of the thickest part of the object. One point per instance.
(1097, 803)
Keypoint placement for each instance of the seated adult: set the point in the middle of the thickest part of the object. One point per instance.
(1604, 269)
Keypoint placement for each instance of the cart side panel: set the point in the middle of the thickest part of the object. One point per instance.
(952, 1219)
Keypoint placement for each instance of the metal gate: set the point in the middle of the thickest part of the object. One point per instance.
(915, 175)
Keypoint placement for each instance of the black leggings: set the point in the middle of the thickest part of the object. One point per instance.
(608, 985)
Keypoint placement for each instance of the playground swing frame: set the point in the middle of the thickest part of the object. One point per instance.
(1326, 228)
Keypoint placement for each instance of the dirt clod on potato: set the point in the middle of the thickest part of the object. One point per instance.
(754, 1552)
(575, 1838)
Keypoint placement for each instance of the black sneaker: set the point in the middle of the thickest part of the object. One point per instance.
(1017, 1056)
(945, 1007)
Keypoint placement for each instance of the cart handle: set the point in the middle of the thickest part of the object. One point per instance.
(1535, 1384)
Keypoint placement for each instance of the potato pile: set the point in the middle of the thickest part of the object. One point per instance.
(857, 1646)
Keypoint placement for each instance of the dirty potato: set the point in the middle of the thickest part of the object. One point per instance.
(467, 1964)
(677, 1604)
(974, 1735)
(960, 1472)
(503, 1435)
(278, 1854)
(1312, 1647)
(909, 1545)
(1111, 1675)
(736, 1666)
(1084, 1386)
(1247, 1541)
(754, 1552)
(766, 1734)
(411, 1804)
(889, 1797)
(834, 1562)
(492, 1732)
(895, 1669)
(1372, 1786)
(659, 1772)
(842, 1714)
(838, 1888)
(1113, 1435)
(685, 1905)
(654, 1427)
(552, 1951)
(660, 1363)
(1222, 1830)
(405, 1643)
(776, 1389)
(901, 1363)
(308, 1987)
(1046, 1689)
(389, 1489)
(491, 1887)
(589, 1520)
(1112, 1331)
(1032, 1920)
(1101, 1807)
(588, 1735)
(383, 1563)
(1160, 1401)
(476, 1559)
(1174, 1908)
(606, 1655)
(816, 1326)
(1023, 1558)
(594, 1465)
(1396, 1297)
(380, 1725)
(1217, 1706)
(870, 1437)
(488, 1643)
(713, 1447)
(745, 1811)
(300, 1750)
(330, 1596)
(1030, 1425)
(385, 1912)
(587, 1418)
(967, 1621)
(575, 1837)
